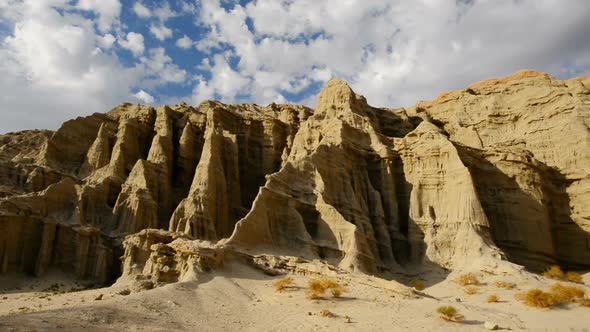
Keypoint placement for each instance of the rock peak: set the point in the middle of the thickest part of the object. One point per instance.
(337, 97)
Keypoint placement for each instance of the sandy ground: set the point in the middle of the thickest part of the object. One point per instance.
(240, 298)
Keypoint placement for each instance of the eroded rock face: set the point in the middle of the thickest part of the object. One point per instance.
(195, 170)
(545, 121)
(483, 173)
(362, 200)
(164, 257)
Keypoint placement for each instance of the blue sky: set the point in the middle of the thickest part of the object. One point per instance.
(65, 58)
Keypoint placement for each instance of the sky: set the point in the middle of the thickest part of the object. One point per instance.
(60, 59)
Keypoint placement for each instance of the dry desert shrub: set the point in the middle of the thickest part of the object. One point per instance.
(566, 294)
(558, 294)
(574, 277)
(585, 303)
(281, 284)
(492, 298)
(471, 290)
(554, 272)
(418, 284)
(504, 284)
(537, 298)
(450, 313)
(315, 290)
(329, 283)
(468, 279)
(327, 313)
(337, 291)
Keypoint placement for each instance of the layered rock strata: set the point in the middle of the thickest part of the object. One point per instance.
(496, 171)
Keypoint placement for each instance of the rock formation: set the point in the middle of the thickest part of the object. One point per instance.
(499, 170)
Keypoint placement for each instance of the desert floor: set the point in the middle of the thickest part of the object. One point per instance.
(240, 298)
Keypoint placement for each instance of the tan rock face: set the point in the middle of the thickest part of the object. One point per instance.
(546, 119)
(164, 257)
(496, 171)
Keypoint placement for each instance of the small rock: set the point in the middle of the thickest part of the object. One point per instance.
(490, 326)
(141, 285)
(125, 291)
(98, 298)
(457, 299)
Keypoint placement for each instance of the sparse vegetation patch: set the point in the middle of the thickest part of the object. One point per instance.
(557, 294)
(327, 313)
(468, 279)
(574, 277)
(555, 272)
(565, 294)
(504, 284)
(284, 283)
(317, 288)
(450, 313)
(492, 298)
(417, 284)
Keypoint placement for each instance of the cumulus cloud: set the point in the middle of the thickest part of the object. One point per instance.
(225, 82)
(187, 7)
(134, 43)
(394, 52)
(108, 11)
(50, 70)
(160, 31)
(56, 64)
(164, 12)
(159, 69)
(107, 41)
(144, 97)
(65, 57)
(184, 42)
(141, 10)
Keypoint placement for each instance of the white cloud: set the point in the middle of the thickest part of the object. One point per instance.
(160, 69)
(108, 11)
(161, 32)
(144, 97)
(134, 43)
(53, 67)
(56, 62)
(202, 91)
(51, 71)
(184, 42)
(225, 82)
(53, 51)
(394, 52)
(107, 41)
(9, 10)
(164, 12)
(188, 7)
(141, 10)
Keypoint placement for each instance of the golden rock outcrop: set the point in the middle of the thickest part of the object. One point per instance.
(497, 171)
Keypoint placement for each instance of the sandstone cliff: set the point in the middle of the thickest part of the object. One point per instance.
(498, 171)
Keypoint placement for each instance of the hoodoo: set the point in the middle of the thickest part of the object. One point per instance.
(483, 173)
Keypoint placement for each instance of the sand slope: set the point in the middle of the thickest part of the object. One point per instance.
(239, 298)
